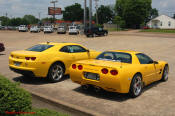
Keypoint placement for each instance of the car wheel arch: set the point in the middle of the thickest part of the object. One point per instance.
(60, 62)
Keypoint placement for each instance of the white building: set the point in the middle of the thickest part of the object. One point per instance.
(162, 22)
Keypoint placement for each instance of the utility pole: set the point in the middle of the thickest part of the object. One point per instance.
(6, 14)
(85, 4)
(90, 13)
(54, 2)
(96, 7)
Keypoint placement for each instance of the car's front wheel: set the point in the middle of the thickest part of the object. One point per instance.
(165, 73)
(56, 72)
(136, 86)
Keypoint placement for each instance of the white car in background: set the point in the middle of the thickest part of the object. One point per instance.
(48, 29)
(73, 30)
(35, 29)
(61, 30)
(23, 28)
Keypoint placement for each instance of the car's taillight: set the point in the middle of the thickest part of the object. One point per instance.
(33, 58)
(74, 66)
(27, 58)
(104, 71)
(80, 67)
(114, 72)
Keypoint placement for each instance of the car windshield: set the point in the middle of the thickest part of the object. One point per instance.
(60, 27)
(72, 27)
(39, 48)
(116, 57)
(47, 27)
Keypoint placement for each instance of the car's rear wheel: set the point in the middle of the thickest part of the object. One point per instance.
(105, 34)
(56, 72)
(165, 73)
(136, 86)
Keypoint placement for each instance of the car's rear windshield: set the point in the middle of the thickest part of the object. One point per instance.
(39, 48)
(115, 56)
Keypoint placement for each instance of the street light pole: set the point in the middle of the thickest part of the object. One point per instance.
(96, 7)
(85, 13)
(90, 13)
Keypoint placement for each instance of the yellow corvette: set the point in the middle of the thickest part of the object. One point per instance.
(50, 60)
(119, 71)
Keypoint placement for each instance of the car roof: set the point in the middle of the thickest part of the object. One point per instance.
(125, 51)
(62, 44)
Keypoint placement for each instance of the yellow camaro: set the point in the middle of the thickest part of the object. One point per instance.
(119, 71)
(50, 60)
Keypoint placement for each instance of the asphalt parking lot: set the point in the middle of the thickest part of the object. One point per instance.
(158, 99)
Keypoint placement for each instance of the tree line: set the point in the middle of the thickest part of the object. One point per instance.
(125, 13)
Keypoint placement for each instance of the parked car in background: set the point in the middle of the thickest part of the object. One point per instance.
(51, 60)
(119, 71)
(2, 48)
(61, 30)
(73, 30)
(23, 28)
(48, 29)
(95, 31)
(35, 29)
(42, 28)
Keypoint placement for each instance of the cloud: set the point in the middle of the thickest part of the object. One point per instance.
(18, 8)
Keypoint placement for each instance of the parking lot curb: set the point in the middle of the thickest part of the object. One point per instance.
(75, 109)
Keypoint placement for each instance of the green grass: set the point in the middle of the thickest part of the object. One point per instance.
(158, 30)
(43, 112)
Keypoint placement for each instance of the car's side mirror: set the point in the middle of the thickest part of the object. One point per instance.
(155, 62)
(88, 50)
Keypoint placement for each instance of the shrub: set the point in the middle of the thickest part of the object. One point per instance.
(13, 98)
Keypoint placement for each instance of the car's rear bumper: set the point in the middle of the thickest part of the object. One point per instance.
(108, 83)
(23, 72)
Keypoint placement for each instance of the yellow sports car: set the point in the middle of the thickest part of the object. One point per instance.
(50, 60)
(119, 71)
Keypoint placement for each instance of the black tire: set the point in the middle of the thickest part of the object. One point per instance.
(56, 72)
(105, 33)
(165, 73)
(93, 35)
(136, 86)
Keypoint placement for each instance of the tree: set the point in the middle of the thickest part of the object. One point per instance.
(105, 14)
(4, 20)
(73, 13)
(154, 13)
(133, 12)
(119, 21)
(31, 19)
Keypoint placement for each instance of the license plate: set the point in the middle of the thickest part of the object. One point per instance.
(17, 63)
(92, 76)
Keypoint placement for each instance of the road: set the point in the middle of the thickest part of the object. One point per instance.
(156, 100)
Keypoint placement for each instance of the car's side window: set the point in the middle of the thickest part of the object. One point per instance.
(144, 59)
(65, 49)
(76, 49)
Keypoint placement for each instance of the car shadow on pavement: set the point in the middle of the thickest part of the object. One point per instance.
(104, 94)
(111, 95)
(154, 84)
(36, 80)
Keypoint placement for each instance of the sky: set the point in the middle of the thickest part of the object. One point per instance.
(18, 8)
